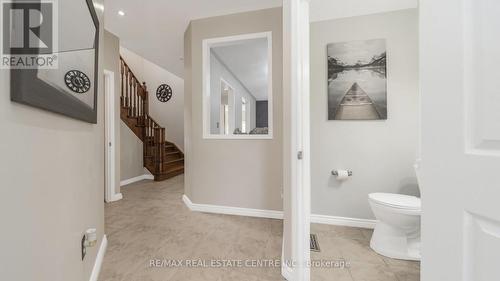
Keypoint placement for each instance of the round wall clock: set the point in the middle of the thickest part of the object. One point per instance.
(164, 93)
(77, 81)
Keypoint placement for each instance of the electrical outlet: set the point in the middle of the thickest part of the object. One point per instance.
(84, 249)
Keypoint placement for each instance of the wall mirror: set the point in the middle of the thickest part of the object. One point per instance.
(237, 87)
(70, 88)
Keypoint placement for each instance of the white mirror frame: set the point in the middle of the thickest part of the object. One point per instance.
(207, 45)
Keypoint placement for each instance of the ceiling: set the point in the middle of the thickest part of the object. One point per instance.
(247, 60)
(155, 29)
(332, 9)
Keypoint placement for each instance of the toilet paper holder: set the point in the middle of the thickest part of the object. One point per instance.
(336, 173)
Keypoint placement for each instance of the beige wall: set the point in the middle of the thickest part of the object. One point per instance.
(131, 157)
(239, 173)
(111, 62)
(381, 154)
(52, 190)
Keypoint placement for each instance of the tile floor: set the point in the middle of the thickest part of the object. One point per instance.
(352, 245)
(152, 223)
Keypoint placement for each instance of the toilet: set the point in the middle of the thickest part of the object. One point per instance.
(397, 232)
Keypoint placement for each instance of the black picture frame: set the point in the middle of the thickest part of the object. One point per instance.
(28, 89)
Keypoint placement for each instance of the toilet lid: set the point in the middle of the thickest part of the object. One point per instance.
(397, 200)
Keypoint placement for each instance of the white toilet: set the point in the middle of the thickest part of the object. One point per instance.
(397, 233)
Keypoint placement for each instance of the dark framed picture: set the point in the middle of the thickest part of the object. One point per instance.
(71, 87)
(357, 80)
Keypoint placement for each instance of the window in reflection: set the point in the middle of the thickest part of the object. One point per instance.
(243, 115)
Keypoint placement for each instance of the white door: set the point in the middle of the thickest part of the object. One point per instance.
(460, 86)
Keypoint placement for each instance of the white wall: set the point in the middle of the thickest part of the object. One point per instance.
(219, 71)
(170, 114)
(381, 154)
(238, 173)
(52, 189)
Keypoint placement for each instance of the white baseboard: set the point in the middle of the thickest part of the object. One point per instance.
(99, 259)
(136, 179)
(286, 271)
(115, 197)
(321, 219)
(362, 223)
(205, 208)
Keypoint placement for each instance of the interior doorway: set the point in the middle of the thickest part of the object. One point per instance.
(110, 194)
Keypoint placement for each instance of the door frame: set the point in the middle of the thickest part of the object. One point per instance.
(110, 194)
(297, 140)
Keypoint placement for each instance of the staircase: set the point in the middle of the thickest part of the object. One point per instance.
(162, 158)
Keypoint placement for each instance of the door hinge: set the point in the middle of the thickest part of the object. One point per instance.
(300, 155)
(109, 144)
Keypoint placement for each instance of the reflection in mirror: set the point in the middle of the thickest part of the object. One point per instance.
(237, 83)
(75, 75)
(67, 85)
(226, 108)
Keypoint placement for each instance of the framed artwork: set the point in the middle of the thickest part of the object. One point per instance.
(357, 80)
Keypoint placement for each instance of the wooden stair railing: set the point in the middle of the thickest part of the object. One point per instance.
(162, 158)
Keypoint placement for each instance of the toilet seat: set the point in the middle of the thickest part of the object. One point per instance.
(398, 201)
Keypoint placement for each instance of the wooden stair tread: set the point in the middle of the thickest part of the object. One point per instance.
(167, 154)
(172, 169)
(173, 161)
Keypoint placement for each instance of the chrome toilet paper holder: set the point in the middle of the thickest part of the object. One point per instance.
(336, 173)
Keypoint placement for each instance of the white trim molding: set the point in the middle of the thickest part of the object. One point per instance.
(136, 179)
(206, 208)
(99, 259)
(115, 197)
(109, 83)
(352, 222)
(286, 270)
(296, 146)
(271, 214)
